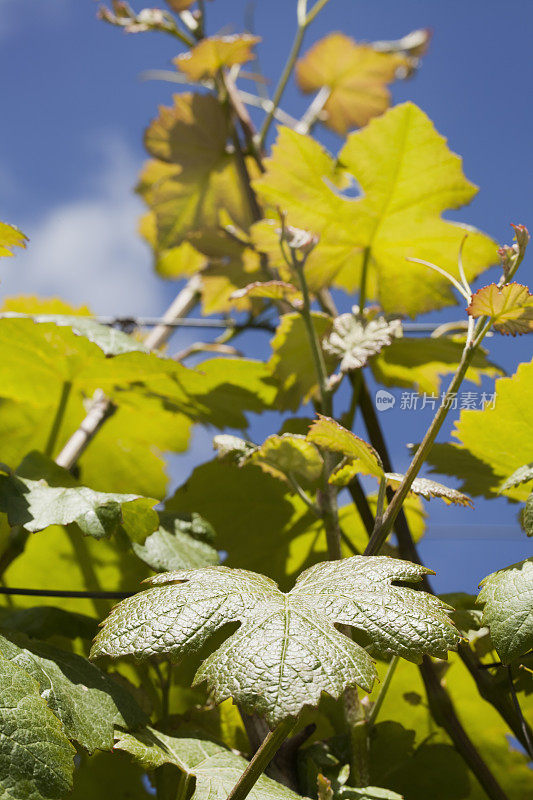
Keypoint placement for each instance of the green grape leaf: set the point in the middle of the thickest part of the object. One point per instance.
(291, 364)
(523, 474)
(493, 442)
(419, 363)
(215, 769)
(287, 650)
(10, 237)
(507, 596)
(510, 307)
(210, 55)
(35, 505)
(428, 489)
(289, 454)
(354, 340)
(357, 76)
(326, 432)
(397, 217)
(178, 543)
(88, 703)
(527, 516)
(263, 525)
(42, 622)
(37, 759)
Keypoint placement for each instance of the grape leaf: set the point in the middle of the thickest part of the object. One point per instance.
(215, 769)
(394, 159)
(36, 758)
(88, 703)
(287, 650)
(527, 516)
(110, 340)
(42, 622)
(10, 237)
(492, 442)
(178, 543)
(291, 364)
(357, 76)
(523, 474)
(215, 52)
(354, 340)
(271, 290)
(428, 489)
(419, 363)
(326, 432)
(195, 177)
(509, 307)
(35, 505)
(263, 525)
(508, 609)
(290, 454)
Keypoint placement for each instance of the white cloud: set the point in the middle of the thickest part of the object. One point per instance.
(88, 250)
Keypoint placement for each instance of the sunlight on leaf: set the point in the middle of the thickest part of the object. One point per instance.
(510, 307)
(507, 609)
(428, 489)
(326, 432)
(10, 237)
(210, 55)
(284, 639)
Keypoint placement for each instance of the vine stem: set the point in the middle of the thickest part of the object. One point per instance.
(304, 19)
(376, 708)
(383, 527)
(261, 759)
(58, 419)
(519, 714)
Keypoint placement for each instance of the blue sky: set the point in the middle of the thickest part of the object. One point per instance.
(71, 146)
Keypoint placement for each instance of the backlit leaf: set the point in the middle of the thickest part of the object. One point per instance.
(36, 757)
(291, 364)
(10, 237)
(357, 76)
(419, 363)
(492, 442)
(212, 54)
(287, 650)
(290, 454)
(195, 177)
(263, 525)
(510, 307)
(428, 489)
(355, 340)
(507, 598)
(326, 432)
(215, 769)
(408, 176)
(271, 290)
(88, 703)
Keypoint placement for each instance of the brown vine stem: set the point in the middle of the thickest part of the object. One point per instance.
(261, 760)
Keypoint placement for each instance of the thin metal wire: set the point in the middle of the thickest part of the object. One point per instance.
(65, 593)
(191, 322)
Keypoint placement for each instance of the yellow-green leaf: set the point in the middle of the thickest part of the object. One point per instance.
(212, 54)
(326, 432)
(290, 454)
(291, 365)
(195, 177)
(10, 237)
(408, 177)
(419, 363)
(356, 75)
(270, 290)
(509, 307)
(493, 442)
